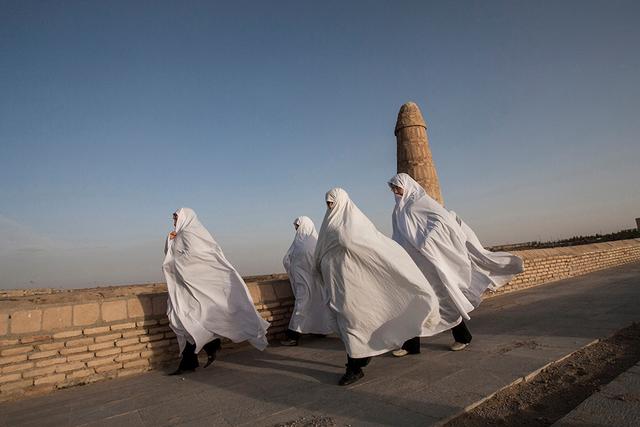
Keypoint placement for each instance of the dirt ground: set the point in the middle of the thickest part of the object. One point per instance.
(312, 421)
(560, 388)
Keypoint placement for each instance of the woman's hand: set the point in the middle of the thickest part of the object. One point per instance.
(172, 235)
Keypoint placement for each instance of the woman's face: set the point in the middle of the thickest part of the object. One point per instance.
(396, 190)
(175, 219)
(330, 204)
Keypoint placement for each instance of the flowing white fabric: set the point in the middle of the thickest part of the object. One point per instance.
(207, 296)
(448, 252)
(311, 314)
(377, 294)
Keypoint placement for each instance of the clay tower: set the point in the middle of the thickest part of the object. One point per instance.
(414, 154)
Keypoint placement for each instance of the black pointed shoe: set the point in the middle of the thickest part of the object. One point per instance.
(210, 359)
(351, 377)
(187, 365)
(180, 371)
(188, 362)
(212, 348)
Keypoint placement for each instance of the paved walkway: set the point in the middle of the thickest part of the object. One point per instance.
(514, 335)
(617, 404)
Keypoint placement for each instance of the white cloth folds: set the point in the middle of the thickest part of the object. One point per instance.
(311, 314)
(377, 294)
(207, 297)
(448, 252)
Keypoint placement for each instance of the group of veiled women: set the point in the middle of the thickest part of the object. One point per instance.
(377, 294)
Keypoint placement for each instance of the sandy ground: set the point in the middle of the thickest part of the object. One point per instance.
(560, 388)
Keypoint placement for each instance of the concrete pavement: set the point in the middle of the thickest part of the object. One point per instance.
(514, 335)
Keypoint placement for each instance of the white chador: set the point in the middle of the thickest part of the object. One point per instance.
(377, 294)
(207, 297)
(311, 314)
(448, 252)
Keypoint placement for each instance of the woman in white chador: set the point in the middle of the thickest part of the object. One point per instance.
(311, 313)
(377, 294)
(207, 297)
(450, 256)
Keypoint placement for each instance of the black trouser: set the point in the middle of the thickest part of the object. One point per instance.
(212, 347)
(412, 346)
(292, 335)
(461, 333)
(189, 358)
(356, 364)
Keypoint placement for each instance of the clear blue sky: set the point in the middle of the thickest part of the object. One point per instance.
(114, 114)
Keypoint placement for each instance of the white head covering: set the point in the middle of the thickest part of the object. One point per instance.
(311, 313)
(444, 247)
(378, 296)
(188, 222)
(306, 236)
(187, 219)
(343, 213)
(306, 231)
(207, 296)
(413, 197)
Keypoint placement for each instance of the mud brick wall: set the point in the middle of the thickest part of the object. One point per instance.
(55, 339)
(547, 265)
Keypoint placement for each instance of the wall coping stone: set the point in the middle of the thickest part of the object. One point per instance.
(20, 298)
(13, 300)
(575, 250)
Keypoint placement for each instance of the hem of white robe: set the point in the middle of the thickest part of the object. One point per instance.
(498, 282)
(444, 328)
(312, 331)
(375, 353)
(302, 330)
(260, 341)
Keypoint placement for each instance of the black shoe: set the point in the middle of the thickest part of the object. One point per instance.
(182, 371)
(189, 361)
(351, 377)
(210, 360)
(212, 349)
(189, 365)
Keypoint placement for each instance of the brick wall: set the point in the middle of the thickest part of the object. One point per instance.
(548, 265)
(57, 340)
(51, 340)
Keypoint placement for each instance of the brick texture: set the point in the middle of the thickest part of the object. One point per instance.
(549, 265)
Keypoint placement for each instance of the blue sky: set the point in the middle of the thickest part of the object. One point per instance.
(114, 114)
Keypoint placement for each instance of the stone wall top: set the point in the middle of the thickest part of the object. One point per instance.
(263, 288)
(17, 298)
(575, 250)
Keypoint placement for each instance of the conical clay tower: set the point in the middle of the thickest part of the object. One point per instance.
(414, 154)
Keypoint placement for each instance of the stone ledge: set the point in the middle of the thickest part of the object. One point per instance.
(576, 250)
